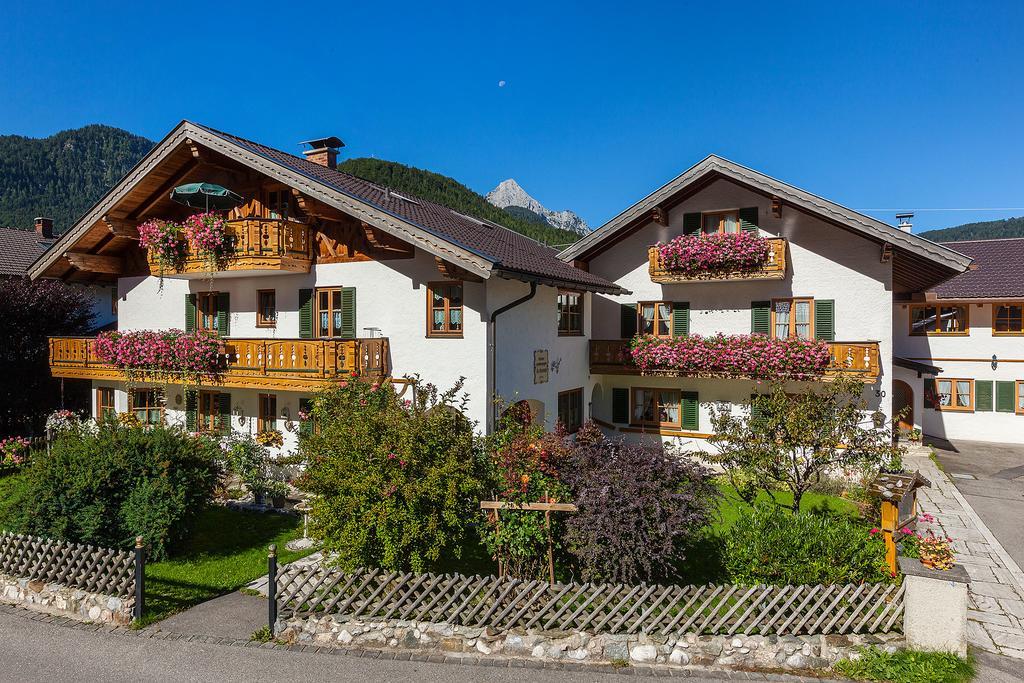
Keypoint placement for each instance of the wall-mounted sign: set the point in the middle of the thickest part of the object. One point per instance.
(540, 366)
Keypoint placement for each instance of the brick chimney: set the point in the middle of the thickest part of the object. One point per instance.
(44, 228)
(323, 151)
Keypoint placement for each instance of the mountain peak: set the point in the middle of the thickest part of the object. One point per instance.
(510, 193)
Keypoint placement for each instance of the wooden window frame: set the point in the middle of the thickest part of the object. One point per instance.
(260, 320)
(211, 298)
(657, 318)
(1017, 409)
(578, 392)
(792, 316)
(953, 407)
(721, 223)
(1017, 333)
(157, 405)
(445, 333)
(965, 332)
(212, 399)
(677, 425)
(570, 331)
(263, 420)
(330, 310)
(100, 405)
(289, 213)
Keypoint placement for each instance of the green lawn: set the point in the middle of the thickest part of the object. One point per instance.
(227, 551)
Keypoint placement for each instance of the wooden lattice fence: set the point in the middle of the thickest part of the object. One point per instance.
(506, 603)
(89, 568)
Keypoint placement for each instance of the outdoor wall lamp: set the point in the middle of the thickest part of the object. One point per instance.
(995, 361)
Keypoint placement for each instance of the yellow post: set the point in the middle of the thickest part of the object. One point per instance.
(890, 516)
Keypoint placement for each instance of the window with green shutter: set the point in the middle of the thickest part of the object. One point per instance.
(224, 421)
(681, 319)
(761, 317)
(748, 219)
(191, 411)
(690, 410)
(664, 408)
(223, 314)
(825, 319)
(691, 223)
(1005, 397)
(305, 313)
(628, 321)
(335, 312)
(982, 395)
(190, 313)
(620, 406)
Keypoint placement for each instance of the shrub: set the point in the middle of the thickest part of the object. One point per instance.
(396, 483)
(907, 666)
(638, 507)
(770, 545)
(106, 488)
(248, 458)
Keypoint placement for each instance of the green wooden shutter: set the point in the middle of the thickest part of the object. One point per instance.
(224, 404)
(620, 406)
(348, 312)
(306, 426)
(761, 317)
(223, 314)
(190, 312)
(825, 319)
(691, 223)
(191, 410)
(1004, 396)
(681, 319)
(305, 313)
(689, 410)
(748, 219)
(628, 323)
(983, 395)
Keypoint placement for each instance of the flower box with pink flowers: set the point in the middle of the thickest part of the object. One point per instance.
(153, 354)
(718, 257)
(752, 356)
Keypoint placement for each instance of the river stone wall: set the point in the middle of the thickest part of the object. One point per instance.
(69, 602)
(775, 652)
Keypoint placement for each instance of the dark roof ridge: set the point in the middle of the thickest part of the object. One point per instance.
(990, 239)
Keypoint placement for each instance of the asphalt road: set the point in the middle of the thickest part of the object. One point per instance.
(997, 490)
(34, 651)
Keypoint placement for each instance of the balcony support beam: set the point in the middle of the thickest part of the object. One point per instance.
(121, 228)
(95, 263)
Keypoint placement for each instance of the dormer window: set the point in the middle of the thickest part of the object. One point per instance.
(720, 222)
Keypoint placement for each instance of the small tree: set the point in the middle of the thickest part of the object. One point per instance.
(791, 440)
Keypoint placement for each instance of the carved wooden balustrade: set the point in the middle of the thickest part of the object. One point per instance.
(774, 269)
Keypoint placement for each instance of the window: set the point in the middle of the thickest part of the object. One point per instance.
(1008, 318)
(793, 318)
(655, 317)
(954, 394)
(266, 308)
(328, 312)
(570, 409)
(105, 406)
(1020, 397)
(279, 203)
(206, 311)
(267, 412)
(570, 313)
(208, 414)
(444, 309)
(656, 407)
(720, 222)
(930, 319)
(147, 406)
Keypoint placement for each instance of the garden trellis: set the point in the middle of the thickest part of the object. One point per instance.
(547, 507)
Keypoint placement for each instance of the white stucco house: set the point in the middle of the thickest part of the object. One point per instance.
(970, 330)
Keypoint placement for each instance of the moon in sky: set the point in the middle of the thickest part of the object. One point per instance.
(501, 84)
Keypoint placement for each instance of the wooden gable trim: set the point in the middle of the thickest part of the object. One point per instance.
(450, 271)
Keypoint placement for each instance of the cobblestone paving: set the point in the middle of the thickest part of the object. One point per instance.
(996, 592)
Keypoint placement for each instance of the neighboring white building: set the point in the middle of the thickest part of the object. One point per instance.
(971, 330)
(332, 275)
(833, 277)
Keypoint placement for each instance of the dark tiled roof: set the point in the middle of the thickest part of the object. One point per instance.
(19, 249)
(505, 248)
(999, 270)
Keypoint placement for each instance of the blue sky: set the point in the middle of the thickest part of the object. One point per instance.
(874, 105)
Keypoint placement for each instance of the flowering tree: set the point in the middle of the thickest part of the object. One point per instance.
(156, 353)
(790, 441)
(756, 356)
(32, 310)
(707, 255)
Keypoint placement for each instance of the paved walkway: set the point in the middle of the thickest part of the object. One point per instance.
(996, 592)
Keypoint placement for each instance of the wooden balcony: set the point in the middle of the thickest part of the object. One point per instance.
(263, 246)
(273, 364)
(775, 269)
(859, 359)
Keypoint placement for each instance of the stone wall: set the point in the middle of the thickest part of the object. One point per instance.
(775, 652)
(70, 602)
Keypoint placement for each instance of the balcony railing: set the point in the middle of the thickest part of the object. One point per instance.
(262, 246)
(860, 359)
(774, 269)
(282, 364)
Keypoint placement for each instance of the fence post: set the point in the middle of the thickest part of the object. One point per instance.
(272, 587)
(140, 578)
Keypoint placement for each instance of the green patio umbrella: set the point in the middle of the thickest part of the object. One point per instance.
(206, 196)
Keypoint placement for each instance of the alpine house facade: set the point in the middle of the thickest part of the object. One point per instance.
(330, 278)
(757, 269)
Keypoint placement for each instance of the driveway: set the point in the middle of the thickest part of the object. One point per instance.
(991, 477)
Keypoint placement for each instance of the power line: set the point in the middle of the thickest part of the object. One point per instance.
(1008, 208)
